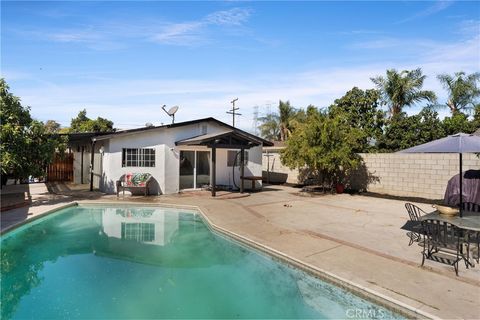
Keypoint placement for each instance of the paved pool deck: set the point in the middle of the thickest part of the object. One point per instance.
(356, 238)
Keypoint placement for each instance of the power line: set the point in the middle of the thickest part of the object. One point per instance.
(255, 119)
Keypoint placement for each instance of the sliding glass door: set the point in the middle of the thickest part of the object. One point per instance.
(194, 169)
(187, 164)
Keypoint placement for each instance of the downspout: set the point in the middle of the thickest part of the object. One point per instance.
(92, 158)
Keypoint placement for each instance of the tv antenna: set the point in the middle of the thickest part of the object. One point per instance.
(171, 112)
(232, 111)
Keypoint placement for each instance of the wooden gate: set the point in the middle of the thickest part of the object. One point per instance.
(61, 169)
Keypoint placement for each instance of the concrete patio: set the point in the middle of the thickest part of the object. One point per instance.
(356, 238)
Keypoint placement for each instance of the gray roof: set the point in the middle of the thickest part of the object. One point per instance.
(180, 124)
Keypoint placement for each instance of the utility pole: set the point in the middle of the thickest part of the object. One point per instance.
(232, 111)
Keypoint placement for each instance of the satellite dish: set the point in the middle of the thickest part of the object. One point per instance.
(171, 112)
(148, 124)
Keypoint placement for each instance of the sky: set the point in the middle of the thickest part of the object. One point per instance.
(123, 60)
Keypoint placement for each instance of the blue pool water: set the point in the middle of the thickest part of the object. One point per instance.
(129, 262)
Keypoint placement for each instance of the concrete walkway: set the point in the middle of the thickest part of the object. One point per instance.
(357, 238)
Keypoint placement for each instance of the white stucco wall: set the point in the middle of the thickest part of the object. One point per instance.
(166, 170)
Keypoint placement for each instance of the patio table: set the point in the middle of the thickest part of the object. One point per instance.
(469, 221)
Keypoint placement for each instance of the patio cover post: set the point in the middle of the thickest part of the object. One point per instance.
(92, 163)
(214, 169)
(461, 191)
(81, 166)
(242, 169)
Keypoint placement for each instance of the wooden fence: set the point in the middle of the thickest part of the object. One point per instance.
(61, 169)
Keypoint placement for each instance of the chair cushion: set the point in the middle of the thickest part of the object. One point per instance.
(136, 179)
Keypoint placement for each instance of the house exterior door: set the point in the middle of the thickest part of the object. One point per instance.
(194, 169)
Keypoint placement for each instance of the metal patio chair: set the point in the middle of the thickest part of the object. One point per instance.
(473, 237)
(470, 206)
(444, 243)
(414, 214)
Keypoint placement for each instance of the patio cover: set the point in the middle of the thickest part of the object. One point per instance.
(230, 139)
(457, 143)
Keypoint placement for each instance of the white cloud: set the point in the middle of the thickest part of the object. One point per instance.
(134, 102)
(180, 34)
(438, 6)
(194, 32)
(111, 35)
(235, 16)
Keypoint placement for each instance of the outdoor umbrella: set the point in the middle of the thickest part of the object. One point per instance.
(458, 143)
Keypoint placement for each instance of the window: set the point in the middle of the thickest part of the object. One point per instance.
(232, 154)
(142, 232)
(138, 157)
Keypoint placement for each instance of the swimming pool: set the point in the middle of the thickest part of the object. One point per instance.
(151, 262)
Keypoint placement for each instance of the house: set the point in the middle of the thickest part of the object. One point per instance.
(180, 156)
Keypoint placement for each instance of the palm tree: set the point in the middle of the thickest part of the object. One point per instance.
(402, 89)
(269, 128)
(462, 90)
(279, 126)
(286, 114)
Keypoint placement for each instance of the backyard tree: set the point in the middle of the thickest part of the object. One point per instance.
(476, 117)
(462, 90)
(279, 126)
(402, 131)
(360, 109)
(82, 123)
(52, 126)
(269, 127)
(43, 145)
(402, 89)
(15, 120)
(286, 114)
(459, 122)
(26, 146)
(325, 145)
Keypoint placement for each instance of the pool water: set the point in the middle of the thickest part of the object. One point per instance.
(130, 262)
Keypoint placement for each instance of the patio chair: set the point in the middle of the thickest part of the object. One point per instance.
(472, 238)
(443, 242)
(414, 213)
(471, 206)
(133, 181)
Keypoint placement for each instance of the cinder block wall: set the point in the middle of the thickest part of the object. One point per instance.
(406, 175)
(278, 173)
(414, 175)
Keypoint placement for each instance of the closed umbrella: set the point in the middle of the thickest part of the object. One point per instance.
(458, 143)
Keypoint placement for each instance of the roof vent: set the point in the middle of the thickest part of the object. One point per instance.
(148, 124)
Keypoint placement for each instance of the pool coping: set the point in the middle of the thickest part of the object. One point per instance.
(350, 286)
